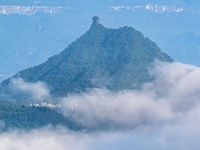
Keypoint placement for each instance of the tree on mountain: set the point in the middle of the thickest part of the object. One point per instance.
(95, 20)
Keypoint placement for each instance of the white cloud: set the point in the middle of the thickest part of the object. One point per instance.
(30, 10)
(118, 8)
(42, 139)
(169, 99)
(38, 90)
(152, 7)
(180, 137)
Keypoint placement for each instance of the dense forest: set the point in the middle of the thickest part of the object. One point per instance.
(31, 117)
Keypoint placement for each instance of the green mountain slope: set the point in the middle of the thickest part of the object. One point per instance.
(31, 117)
(113, 58)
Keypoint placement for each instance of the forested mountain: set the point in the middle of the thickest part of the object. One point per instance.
(31, 117)
(113, 58)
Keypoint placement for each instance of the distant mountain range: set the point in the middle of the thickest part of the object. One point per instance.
(116, 59)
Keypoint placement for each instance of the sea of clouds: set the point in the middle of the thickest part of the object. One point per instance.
(163, 115)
